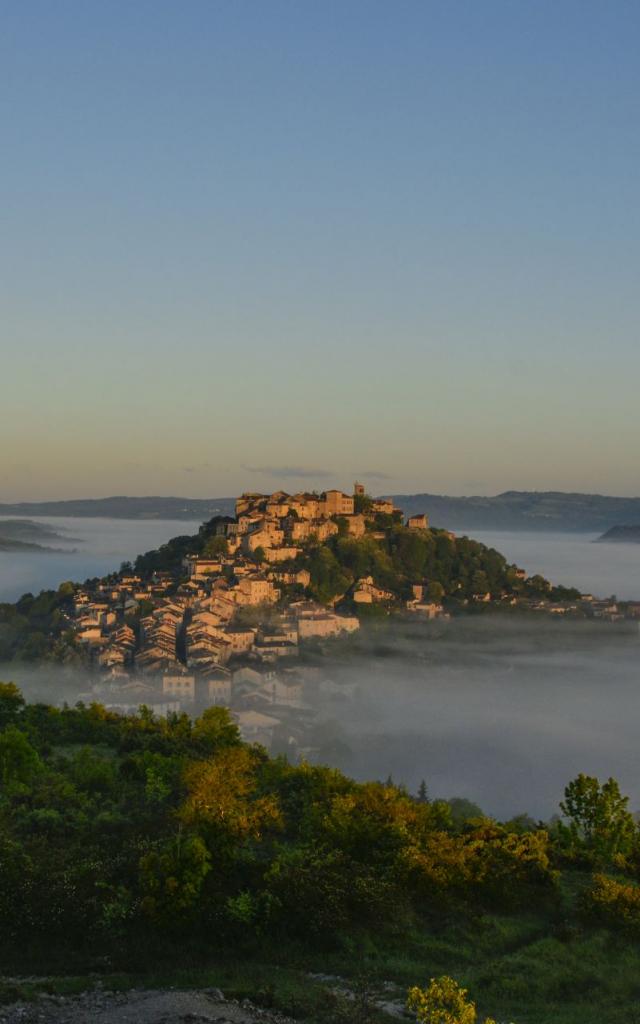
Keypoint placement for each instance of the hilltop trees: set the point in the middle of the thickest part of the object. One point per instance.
(452, 568)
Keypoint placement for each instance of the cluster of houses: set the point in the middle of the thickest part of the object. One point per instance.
(264, 699)
(192, 638)
(197, 619)
(278, 523)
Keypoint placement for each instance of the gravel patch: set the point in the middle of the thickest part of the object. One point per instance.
(171, 1006)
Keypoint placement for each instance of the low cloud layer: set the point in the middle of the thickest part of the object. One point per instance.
(502, 713)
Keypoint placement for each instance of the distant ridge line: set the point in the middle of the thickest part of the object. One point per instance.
(510, 510)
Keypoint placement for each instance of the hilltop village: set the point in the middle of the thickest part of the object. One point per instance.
(228, 616)
(227, 626)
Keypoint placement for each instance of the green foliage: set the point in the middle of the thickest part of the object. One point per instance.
(328, 580)
(171, 879)
(362, 503)
(453, 569)
(168, 557)
(463, 810)
(600, 823)
(32, 628)
(215, 729)
(149, 840)
(615, 904)
(11, 703)
(215, 547)
(442, 1002)
(19, 762)
(486, 867)
(435, 591)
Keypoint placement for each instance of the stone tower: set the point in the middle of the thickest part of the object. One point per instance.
(358, 489)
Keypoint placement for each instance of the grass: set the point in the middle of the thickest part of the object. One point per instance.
(530, 969)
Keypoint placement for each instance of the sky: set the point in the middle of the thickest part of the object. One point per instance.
(249, 245)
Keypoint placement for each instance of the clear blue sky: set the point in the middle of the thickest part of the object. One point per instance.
(252, 244)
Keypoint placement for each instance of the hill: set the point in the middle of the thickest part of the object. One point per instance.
(524, 510)
(122, 507)
(24, 535)
(273, 559)
(620, 535)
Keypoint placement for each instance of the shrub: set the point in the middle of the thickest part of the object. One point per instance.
(615, 904)
(443, 1002)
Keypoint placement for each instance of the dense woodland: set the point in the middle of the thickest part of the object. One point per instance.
(138, 841)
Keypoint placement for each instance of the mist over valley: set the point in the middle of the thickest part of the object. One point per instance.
(500, 711)
(97, 546)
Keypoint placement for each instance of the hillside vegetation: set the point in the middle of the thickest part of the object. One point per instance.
(165, 844)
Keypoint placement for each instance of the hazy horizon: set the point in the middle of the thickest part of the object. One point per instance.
(321, 486)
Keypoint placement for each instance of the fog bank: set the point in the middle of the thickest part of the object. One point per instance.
(502, 713)
(571, 559)
(96, 547)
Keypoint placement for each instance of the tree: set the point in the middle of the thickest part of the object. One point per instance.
(215, 546)
(423, 793)
(222, 801)
(19, 762)
(215, 729)
(480, 582)
(11, 703)
(327, 578)
(443, 1002)
(599, 820)
(172, 877)
(362, 503)
(463, 810)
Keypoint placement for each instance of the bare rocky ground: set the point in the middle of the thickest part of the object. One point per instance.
(172, 1006)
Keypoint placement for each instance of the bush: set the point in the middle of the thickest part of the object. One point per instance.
(614, 904)
(443, 1002)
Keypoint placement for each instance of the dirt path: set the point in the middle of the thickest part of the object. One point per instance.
(139, 1007)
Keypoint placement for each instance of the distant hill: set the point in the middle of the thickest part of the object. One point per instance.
(621, 535)
(121, 507)
(513, 510)
(19, 535)
(524, 510)
(18, 546)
